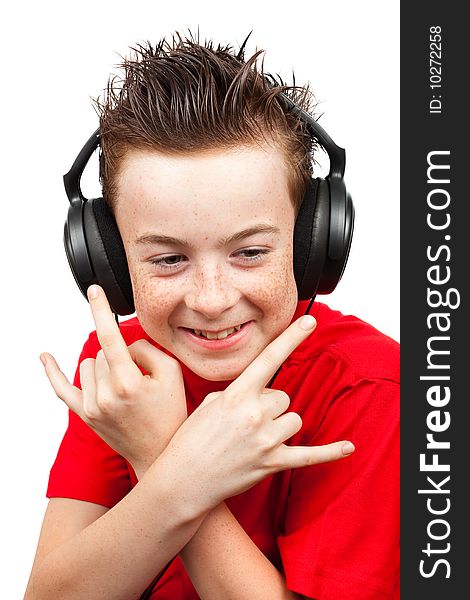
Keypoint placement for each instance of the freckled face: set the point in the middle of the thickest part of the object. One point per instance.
(208, 238)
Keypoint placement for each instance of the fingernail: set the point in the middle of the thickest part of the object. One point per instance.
(93, 292)
(42, 358)
(347, 448)
(307, 322)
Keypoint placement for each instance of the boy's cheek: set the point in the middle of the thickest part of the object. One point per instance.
(280, 285)
(152, 303)
(150, 293)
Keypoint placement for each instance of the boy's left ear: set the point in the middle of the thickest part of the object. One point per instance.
(311, 239)
(325, 223)
(322, 237)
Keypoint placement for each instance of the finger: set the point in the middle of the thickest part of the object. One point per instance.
(67, 392)
(293, 457)
(276, 402)
(286, 426)
(88, 383)
(109, 336)
(151, 359)
(101, 366)
(260, 371)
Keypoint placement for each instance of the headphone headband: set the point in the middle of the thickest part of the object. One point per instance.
(73, 177)
(336, 154)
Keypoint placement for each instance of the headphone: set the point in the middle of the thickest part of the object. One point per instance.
(322, 234)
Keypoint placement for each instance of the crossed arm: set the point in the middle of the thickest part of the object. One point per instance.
(223, 562)
(186, 468)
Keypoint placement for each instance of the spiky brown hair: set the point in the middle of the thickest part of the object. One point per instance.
(181, 96)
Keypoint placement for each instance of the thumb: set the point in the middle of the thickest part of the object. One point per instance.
(154, 361)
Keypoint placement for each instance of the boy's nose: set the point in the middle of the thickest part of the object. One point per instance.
(211, 293)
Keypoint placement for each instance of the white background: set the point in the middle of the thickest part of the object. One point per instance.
(55, 56)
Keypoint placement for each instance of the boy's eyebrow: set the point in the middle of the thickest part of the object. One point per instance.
(148, 239)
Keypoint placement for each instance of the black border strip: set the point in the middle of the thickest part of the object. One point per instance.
(439, 195)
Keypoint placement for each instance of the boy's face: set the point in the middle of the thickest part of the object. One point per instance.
(208, 238)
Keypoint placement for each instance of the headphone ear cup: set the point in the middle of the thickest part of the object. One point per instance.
(107, 255)
(76, 247)
(340, 236)
(311, 234)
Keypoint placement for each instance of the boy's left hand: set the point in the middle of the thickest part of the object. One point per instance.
(135, 414)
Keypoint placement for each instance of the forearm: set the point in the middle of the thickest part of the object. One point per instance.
(118, 555)
(223, 562)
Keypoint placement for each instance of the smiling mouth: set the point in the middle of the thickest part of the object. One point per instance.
(215, 335)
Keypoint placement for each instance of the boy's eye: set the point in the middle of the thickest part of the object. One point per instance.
(168, 262)
(251, 254)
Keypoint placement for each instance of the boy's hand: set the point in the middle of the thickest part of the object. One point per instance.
(135, 414)
(235, 438)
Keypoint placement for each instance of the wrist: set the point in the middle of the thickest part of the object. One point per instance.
(185, 501)
(183, 485)
(142, 463)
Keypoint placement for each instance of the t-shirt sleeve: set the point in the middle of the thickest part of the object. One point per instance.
(86, 468)
(341, 532)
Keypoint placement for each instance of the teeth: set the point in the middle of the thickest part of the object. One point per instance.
(217, 336)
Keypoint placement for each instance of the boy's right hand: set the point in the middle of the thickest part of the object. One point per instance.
(133, 413)
(234, 439)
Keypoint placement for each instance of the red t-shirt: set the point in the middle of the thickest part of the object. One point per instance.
(333, 529)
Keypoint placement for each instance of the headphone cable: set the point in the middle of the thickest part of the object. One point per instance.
(305, 313)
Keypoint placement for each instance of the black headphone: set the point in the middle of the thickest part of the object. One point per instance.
(322, 234)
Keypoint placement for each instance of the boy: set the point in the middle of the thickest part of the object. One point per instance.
(175, 445)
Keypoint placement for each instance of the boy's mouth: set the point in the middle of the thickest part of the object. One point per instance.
(219, 339)
(215, 335)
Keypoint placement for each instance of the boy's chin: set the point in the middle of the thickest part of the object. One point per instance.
(216, 372)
